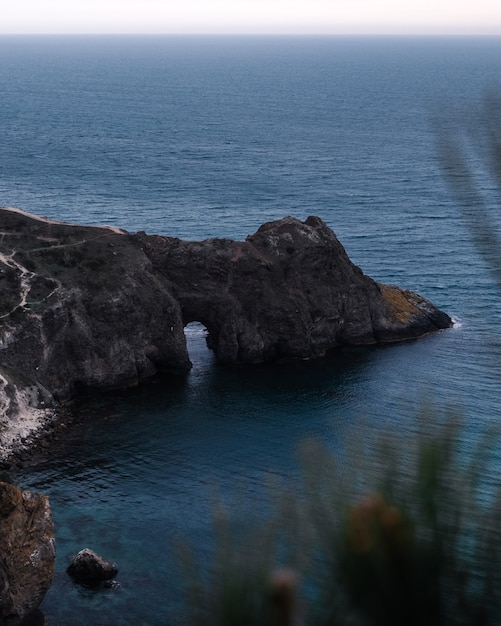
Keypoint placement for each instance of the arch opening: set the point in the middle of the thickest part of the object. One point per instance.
(196, 335)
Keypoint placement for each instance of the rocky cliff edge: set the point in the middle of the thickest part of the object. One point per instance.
(87, 307)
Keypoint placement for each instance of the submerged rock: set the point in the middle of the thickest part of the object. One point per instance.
(27, 552)
(97, 307)
(90, 570)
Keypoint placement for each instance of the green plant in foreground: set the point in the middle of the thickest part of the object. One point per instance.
(402, 531)
(414, 540)
(470, 155)
(242, 586)
(412, 549)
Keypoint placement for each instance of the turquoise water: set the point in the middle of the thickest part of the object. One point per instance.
(199, 137)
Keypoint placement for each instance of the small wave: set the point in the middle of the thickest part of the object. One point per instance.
(456, 322)
(195, 329)
(195, 332)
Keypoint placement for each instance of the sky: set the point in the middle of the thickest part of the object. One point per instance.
(452, 17)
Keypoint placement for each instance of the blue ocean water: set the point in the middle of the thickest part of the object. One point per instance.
(201, 137)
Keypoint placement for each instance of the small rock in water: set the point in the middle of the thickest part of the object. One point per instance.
(91, 570)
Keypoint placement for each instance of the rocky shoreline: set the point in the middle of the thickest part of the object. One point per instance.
(29, 418)
(28, 552)
(89, 309)
(23, 447)
(95, 308)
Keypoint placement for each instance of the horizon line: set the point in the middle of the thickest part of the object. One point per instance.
(250, 34)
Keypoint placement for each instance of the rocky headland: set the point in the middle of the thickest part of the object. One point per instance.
(98, 308)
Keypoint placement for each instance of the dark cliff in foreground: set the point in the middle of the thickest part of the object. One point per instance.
(27, 552)
(97, 307)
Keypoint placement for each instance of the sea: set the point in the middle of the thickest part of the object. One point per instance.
(211, 136)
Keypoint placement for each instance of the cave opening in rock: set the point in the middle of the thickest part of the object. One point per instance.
(196, 343)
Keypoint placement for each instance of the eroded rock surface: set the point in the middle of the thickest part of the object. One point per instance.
(25, 409)
(27, 552)
(80, 307)
(288, 291)
(101, 308)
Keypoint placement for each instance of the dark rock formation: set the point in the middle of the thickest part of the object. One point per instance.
(101, 308)
(25, 409)
(27, 552)
(90, 570)
(288, 291)
(80, 306)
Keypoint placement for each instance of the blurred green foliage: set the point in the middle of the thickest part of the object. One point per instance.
(470, 155)
(414, 540)
(405, 530)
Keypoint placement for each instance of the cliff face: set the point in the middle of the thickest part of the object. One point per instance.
(27, 552)
(288, 291)
(101, 308)
(81, 307)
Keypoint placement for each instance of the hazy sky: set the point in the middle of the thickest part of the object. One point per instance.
(252, 16)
